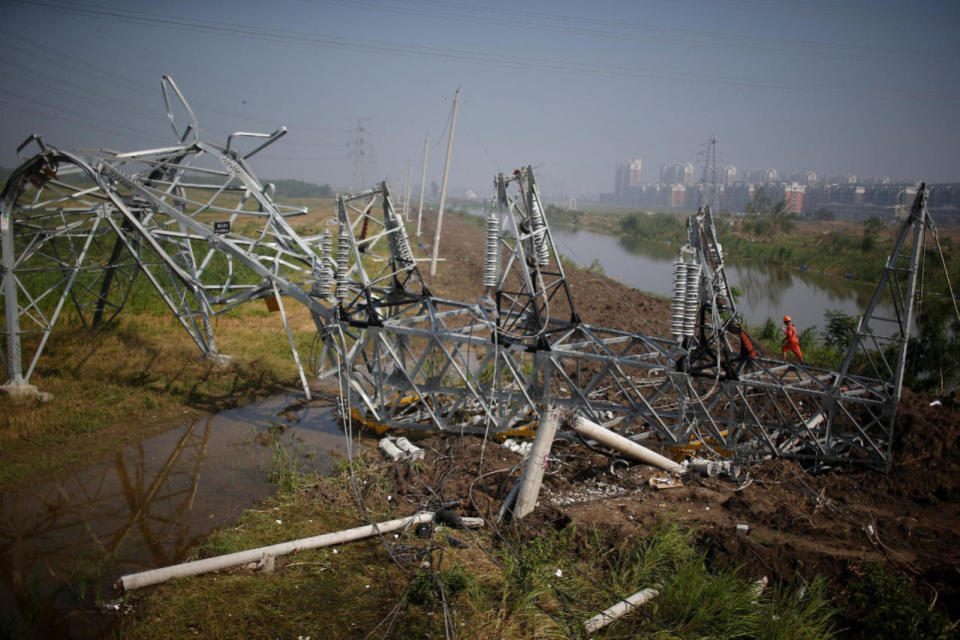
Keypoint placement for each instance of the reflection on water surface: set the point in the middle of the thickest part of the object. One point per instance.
(63, 544)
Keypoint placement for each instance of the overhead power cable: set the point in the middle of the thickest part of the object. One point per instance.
(485, 58)
(682, 37)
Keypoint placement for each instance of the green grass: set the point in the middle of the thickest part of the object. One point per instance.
(891, 609)
(542, 584)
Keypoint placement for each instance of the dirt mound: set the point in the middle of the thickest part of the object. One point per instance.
(779, 521)
(927, 449)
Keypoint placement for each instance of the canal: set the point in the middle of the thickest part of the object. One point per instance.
(63, 544)
(768, 291)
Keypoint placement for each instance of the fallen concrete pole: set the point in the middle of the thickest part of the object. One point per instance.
(508, 501)
(412, 450)
(536, 463)
(709, 468)
(625, 446)
(390, 449)
(207, 565)
(618, 610)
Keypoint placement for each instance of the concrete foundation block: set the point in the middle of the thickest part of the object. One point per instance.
(220, 360)
(19, 392)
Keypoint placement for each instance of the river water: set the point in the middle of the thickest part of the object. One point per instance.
(64, 544)
(768, 291)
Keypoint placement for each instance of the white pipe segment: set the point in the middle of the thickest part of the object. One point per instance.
(536, 463)
(412, 450)
(197, 567)
(624, 445)
(391, 449)
(626, 605)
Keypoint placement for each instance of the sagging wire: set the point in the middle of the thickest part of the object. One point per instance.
(347, 413)
(946, 272)
(606, 284)
(348, 431)
(493, 385)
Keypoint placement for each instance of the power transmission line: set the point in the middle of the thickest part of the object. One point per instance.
(483, 58)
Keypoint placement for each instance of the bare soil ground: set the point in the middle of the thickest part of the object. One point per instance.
(834, 523)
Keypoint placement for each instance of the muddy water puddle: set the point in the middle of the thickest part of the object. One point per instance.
(64, 544)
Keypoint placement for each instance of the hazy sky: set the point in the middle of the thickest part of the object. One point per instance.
(868, 87)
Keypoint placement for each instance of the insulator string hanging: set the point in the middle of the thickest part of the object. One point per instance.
(491, 260)
(343, 263)
(539, 230)
(325, 275)
(693, 298)
(677, 309)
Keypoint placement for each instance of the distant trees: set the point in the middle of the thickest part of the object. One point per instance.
(766, 218)
(654, 226)
(871, 231)
(563, 216)
(932, 355)
(822, 214)
(302, 189)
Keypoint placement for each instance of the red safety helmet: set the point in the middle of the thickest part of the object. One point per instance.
(786, 319)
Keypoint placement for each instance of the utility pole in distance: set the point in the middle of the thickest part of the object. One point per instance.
(423, 182)
(406, 192)
(443, 188)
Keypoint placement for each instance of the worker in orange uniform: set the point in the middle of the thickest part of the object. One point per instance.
(747, 352)
(791, 341)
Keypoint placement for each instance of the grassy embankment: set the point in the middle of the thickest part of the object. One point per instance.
(514, 583)
(844, 250)
(142, 373)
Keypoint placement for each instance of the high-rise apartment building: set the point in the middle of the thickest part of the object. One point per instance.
(626, 180)
(636, 169)
(677, 174)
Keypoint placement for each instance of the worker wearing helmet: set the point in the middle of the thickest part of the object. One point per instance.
(791, 341)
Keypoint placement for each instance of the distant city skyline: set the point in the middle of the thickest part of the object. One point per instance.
(730, 172)
(568, 87)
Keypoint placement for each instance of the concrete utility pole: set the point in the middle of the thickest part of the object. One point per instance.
(443, 188)
(423, 182)
(406, 192)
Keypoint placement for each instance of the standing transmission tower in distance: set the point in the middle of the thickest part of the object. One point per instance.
(710, 185)
(359, 152)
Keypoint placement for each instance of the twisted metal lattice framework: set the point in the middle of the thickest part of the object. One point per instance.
(757, 407)
(191, 219)
(417, 361)
(205, 233)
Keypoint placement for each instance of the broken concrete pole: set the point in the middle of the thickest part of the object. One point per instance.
(709, 468)
(508, 502)
(207, 565)
(625, 446)
(412, 450)
(536, 463)
(618, 610)
(391, 450)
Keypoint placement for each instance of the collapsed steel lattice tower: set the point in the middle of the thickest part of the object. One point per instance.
(191, 219)
(194, 221)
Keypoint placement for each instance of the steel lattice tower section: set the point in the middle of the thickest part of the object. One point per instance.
(190, 219)
(193, 222)
(710, 185)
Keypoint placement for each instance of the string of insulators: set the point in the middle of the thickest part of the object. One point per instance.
(716, 255)
(538, 228)
(325, 276)
(399, 242)
(693, 299)
(343, 263)
(491, 259)
(679, 304)
(361, 247)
